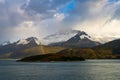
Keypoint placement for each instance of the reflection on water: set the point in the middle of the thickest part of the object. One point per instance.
(86, 70)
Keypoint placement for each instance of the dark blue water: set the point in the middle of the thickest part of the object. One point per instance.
(86, 70)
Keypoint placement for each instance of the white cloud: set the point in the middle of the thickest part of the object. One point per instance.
(59, 16)
(25, 30)
(100, 24)
(96, 17)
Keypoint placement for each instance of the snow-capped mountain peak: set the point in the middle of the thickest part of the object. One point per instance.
(28, 40)
(60, 36)
(34, 39)
(79, 40)
(5, 43)
(64, 36)
(16, 49)
(83, 35)
(23, 42)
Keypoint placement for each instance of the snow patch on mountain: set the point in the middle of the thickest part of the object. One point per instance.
(23, 42)
(84, 36)
(34, 39)
(37, 41)
(5, 43)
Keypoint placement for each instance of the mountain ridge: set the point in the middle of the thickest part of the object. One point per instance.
(80, 40)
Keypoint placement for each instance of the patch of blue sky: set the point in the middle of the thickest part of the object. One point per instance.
(113, 0)
(68, 7)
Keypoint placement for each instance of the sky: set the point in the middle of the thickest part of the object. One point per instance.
(26, 18)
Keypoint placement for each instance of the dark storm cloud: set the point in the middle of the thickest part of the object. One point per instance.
(46, 8)
(49, 7)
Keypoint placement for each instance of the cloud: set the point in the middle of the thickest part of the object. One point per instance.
(26, 29)
(11, 13)
(11, 16)
(100, 22)
(46, 8)
(25, 18)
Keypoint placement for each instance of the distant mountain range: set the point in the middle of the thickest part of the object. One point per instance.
(72, 40)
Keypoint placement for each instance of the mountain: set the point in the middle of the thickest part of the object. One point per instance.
(19, 45)
(11, 48)
(5, 43)
(33, 41)
(113, 46)
(26, 47)
(61, 36)
(80, 40)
